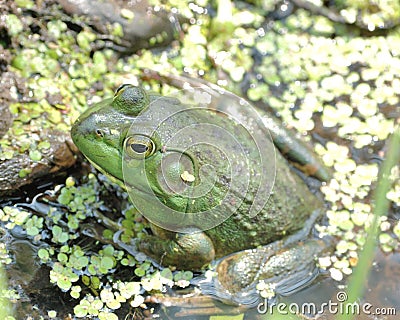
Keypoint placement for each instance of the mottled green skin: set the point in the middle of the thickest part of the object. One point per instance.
(100, 133)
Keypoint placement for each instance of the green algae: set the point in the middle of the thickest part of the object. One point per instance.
(303, 75)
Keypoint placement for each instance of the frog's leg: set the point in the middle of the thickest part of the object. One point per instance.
(188, 250)
(194, 305)
(284, 268)
(304, 232)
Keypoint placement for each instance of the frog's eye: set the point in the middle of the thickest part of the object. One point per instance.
(139, 146)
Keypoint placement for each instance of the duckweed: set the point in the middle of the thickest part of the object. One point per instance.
(35, 155)
(4, 255)
(24, 172)
(59, 236)
(387, 242)
(396, 229)
(75, 292)
(266, 290)
(137, 301)
(62, 276)
(82, 309)
(33, 225)
(14, 25)
(303, 72)
(44, 255)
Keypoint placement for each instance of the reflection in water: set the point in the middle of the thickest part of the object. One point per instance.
(383, 291)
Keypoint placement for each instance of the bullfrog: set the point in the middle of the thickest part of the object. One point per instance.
(207, 178)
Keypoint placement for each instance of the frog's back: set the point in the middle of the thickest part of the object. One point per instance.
(285, 212)
(234, 172)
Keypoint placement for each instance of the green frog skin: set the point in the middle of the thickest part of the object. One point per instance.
(102, 134)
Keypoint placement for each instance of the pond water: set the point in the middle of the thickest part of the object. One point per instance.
(336, 84)
(326, 298)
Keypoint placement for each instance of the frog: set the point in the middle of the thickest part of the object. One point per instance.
(132, 132)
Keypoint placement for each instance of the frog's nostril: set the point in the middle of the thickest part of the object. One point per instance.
(99, 133)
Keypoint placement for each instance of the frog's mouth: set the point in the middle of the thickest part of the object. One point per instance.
(124, 184)
(113, 179)
(155, 208)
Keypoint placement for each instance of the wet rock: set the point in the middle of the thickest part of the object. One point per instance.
(142, 25)
(60, 156)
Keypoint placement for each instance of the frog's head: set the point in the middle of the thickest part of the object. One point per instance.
(173, 158)
(99, 131)
(125, 128)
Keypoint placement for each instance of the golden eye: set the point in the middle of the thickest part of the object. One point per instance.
(139, 146)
